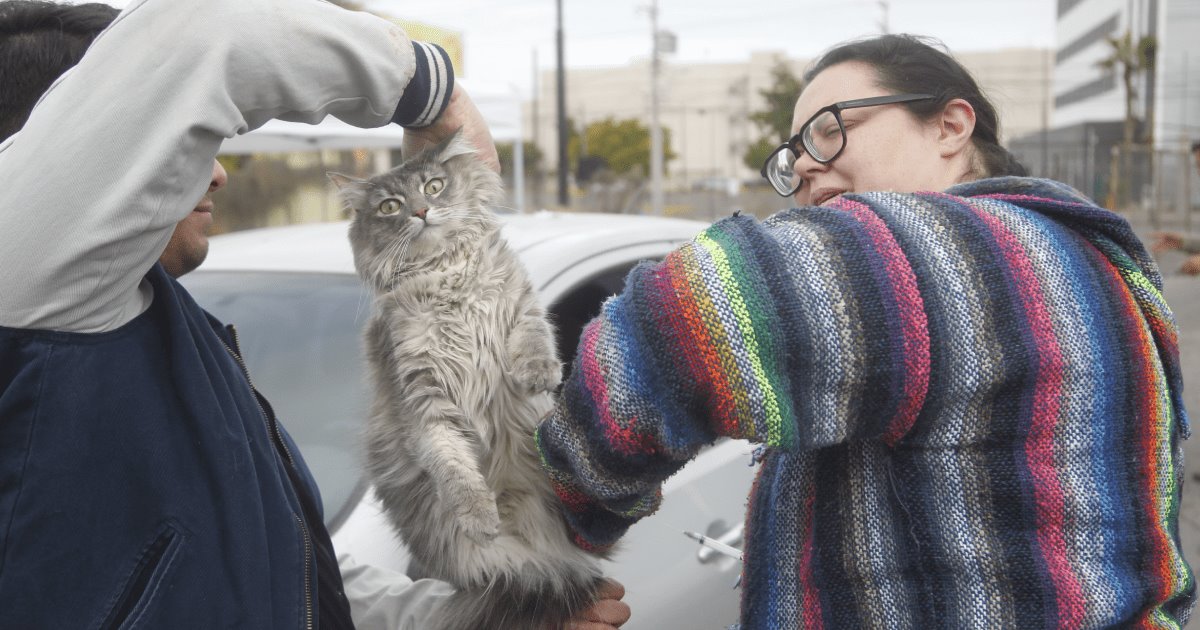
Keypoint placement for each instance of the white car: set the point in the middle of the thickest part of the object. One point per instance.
(299, 308)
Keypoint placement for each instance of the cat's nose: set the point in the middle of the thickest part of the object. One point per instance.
(421, 213)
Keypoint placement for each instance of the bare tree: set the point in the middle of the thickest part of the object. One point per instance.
(1132, 58)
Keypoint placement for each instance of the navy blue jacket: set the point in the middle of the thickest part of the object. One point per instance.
(144, 483)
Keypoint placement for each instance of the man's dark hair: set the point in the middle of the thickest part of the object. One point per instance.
(907, 64)
(38, 42)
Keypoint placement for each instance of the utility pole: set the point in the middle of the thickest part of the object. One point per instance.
(563, 165)
(883, 23)
(536, 124)
(656, 148)
(1045, 115)
(1187, 165)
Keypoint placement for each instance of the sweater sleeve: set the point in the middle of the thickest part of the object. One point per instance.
(733, 334)
(120, 149)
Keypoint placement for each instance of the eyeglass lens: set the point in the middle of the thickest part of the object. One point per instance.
(780, 173)
(822, 140)
(823, 137)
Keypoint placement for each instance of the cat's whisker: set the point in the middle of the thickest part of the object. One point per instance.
(363, 298)
(388, 264)
(381, 266)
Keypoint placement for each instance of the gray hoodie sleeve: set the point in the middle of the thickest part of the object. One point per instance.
(120, 149)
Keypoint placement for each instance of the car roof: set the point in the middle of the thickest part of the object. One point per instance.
(543, 239)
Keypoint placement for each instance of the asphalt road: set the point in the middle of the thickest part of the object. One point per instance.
(1183, 294)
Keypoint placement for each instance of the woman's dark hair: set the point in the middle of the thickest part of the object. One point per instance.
(38, 42)
(917, 65)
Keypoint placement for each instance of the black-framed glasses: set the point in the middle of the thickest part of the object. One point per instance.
(823, 138)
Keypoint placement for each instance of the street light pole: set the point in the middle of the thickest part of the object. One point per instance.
(656, 143)
(561, 87)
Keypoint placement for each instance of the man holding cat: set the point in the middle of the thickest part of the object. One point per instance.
(133, 449)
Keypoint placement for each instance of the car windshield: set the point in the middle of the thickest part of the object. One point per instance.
(299, 335)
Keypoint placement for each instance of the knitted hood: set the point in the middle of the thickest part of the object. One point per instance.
(1114, 237)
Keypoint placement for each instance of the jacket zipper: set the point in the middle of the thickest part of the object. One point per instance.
(271, 424)
(273, 427)
(308, 617)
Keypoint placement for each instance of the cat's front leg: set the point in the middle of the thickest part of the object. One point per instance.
(535, 365)
(448, 452)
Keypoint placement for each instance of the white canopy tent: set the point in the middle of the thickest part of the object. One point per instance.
(500, 105)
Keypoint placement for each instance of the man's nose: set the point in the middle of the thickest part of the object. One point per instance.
(219, 177)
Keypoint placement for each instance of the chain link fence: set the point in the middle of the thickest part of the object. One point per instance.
(1158, 187)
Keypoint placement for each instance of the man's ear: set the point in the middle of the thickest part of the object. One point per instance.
(955, 126)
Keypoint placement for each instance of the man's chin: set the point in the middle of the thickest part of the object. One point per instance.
(179, 263)
(196, 259)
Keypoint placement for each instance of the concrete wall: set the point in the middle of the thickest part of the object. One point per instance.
(706, 107)
(1083, 91)
(1177, 117)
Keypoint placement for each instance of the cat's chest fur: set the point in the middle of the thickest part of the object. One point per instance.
(458, 315)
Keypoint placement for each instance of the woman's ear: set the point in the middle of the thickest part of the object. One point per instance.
(956, 124)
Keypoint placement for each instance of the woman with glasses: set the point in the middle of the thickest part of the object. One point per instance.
(965, 382)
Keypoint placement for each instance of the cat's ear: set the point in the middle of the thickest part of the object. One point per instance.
(454, 146)
(351, 190)
(343, 181)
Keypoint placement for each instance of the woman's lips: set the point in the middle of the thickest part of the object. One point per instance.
(825, 194)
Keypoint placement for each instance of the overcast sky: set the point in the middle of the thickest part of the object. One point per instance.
(500, 36)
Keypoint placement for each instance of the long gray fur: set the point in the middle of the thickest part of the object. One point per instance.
(462, 361)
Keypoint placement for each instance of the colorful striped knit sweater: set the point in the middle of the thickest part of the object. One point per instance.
(971, 403)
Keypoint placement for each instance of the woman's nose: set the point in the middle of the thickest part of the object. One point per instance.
(802, 171)
(805, 165)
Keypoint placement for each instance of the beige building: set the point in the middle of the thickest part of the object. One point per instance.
(706, 107)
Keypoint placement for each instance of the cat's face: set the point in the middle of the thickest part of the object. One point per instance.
(423, 207)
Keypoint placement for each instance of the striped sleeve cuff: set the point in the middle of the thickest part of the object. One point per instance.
(429, 91)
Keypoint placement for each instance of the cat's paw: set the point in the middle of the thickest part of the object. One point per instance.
(480, 521)
(537, 375)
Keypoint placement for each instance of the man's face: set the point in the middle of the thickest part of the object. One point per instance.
(188, 246)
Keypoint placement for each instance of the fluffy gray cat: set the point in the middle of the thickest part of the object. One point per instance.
(462, 361)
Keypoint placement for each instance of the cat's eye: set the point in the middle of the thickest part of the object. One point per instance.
(390, 205)
(434, 186)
